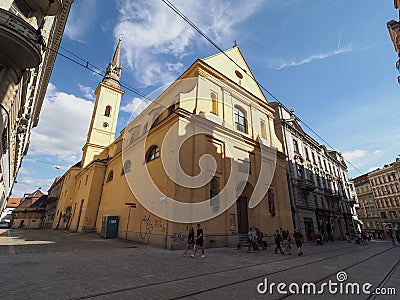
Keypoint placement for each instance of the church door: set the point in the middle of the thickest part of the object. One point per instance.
(243, 222)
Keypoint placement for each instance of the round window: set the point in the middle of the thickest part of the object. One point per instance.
(238, 74)
(105, 124)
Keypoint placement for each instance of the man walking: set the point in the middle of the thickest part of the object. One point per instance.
(199, 242)
(298, 238)
(278, 240)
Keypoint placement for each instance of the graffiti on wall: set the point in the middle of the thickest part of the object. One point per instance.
(146, 228)
(178, 237)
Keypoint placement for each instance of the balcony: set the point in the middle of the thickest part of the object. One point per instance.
(46, 7)
(20, 45)
(306, 184)
(394, 31)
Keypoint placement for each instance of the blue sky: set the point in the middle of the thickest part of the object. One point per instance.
(331, 61)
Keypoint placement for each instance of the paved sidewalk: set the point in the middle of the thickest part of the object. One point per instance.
(46, 264)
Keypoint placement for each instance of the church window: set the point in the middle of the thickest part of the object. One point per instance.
(271, 202)
(127, 167)
(214, 193)
(110, 176)
(86, 179)
(240, 119)
(105, 124)
(214, 102)
(263, 129)
(295, 146)
(108, 111)
(238, 74)
(153, 153)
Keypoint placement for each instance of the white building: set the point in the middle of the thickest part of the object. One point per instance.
(30, 34)
(318, 181)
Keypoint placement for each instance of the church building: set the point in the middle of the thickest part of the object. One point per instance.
(203, 151)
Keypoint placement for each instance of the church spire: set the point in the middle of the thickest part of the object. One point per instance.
(113, 71)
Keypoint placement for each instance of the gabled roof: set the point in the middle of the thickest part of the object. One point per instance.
(36, 194)
(13, 202)
(239, 73)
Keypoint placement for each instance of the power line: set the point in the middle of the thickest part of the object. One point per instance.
(187, 20)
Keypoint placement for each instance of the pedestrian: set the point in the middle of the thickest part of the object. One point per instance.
(391, 235)
(190, 241)
(286, 242)
(260, 236)
(250, 236)
(298, 238)
(326, 236)
(199, 242)
(278, 240)
(313, 236)
(319, 239)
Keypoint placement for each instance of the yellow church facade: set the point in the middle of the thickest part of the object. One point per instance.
(204, 151)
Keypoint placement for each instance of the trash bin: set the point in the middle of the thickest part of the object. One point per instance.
(109, 227)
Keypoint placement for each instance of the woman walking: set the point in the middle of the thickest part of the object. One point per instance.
(190, 241)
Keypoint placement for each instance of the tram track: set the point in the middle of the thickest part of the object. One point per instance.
(348, 268)
(193, 277)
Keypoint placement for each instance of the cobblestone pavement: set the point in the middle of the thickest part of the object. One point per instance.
(46, 264)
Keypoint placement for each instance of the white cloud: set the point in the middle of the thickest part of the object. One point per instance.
(354, 155)
(281, 64)
(28, 185)
(135, 107)
(156, 39)
(81, 16)
(88, 91)
(25, 171)
(63, 126)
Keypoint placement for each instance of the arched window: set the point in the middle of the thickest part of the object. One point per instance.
(127, 167)
(108, 111)
(110, 176)
(153, 153)
(214, 193)
(263, 129)
(214, 102)
(240, 119)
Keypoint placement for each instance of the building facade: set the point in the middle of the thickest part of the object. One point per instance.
(367, 210)
(29, 213)
(30, 34)
(354, 206)
(385, 184)
(124, 177)
(318, 182)
(394, 32)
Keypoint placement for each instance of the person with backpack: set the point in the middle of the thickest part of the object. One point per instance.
(278, 240)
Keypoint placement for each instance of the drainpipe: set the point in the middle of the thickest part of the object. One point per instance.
(101, 193)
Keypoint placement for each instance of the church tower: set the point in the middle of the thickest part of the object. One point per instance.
(105, 113)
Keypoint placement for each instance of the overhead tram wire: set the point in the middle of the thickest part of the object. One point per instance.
(187, 20)
(97, 71)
